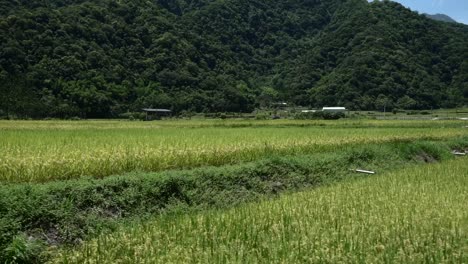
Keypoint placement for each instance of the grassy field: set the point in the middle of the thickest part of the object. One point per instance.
(417, 215)
(41, 151)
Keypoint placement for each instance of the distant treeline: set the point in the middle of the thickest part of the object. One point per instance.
(92, 59)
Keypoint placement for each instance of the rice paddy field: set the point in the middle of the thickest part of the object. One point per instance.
(44, 151)
(234, 191)
(418, 215)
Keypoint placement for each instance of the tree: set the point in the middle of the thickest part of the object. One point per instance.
(267, 96)
(406, 103)
(17, 97)
(383, 103)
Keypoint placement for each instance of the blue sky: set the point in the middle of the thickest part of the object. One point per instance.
(456, 9)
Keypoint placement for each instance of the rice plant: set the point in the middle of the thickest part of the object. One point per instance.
(417, 215)
(54, 150)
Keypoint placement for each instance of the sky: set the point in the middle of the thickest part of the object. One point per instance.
(456, 9)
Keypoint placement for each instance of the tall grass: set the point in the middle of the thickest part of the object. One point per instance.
(418, 215)
(53, 150)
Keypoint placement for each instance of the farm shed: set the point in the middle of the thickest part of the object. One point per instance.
(280, 104)
(334, 109)
(156, 114)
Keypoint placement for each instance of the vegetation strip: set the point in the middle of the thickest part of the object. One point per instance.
(416, 215)
(68, 211)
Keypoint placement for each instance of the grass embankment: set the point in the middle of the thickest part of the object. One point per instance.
(68, 211)
(417, 215)
(47, 151)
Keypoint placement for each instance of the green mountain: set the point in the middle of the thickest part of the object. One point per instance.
(61, 58)
(441, 17)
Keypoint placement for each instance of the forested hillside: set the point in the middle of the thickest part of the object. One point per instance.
(63, 58)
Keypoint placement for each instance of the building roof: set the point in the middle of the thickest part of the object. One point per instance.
(156, 110)
(334, 108)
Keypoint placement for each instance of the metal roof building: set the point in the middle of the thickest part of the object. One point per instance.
(334, 109)
(151, 110)
(155, 114)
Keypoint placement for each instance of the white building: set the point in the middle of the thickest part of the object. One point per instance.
(334, 109)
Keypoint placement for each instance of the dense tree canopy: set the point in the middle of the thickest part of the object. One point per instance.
(63, 58)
